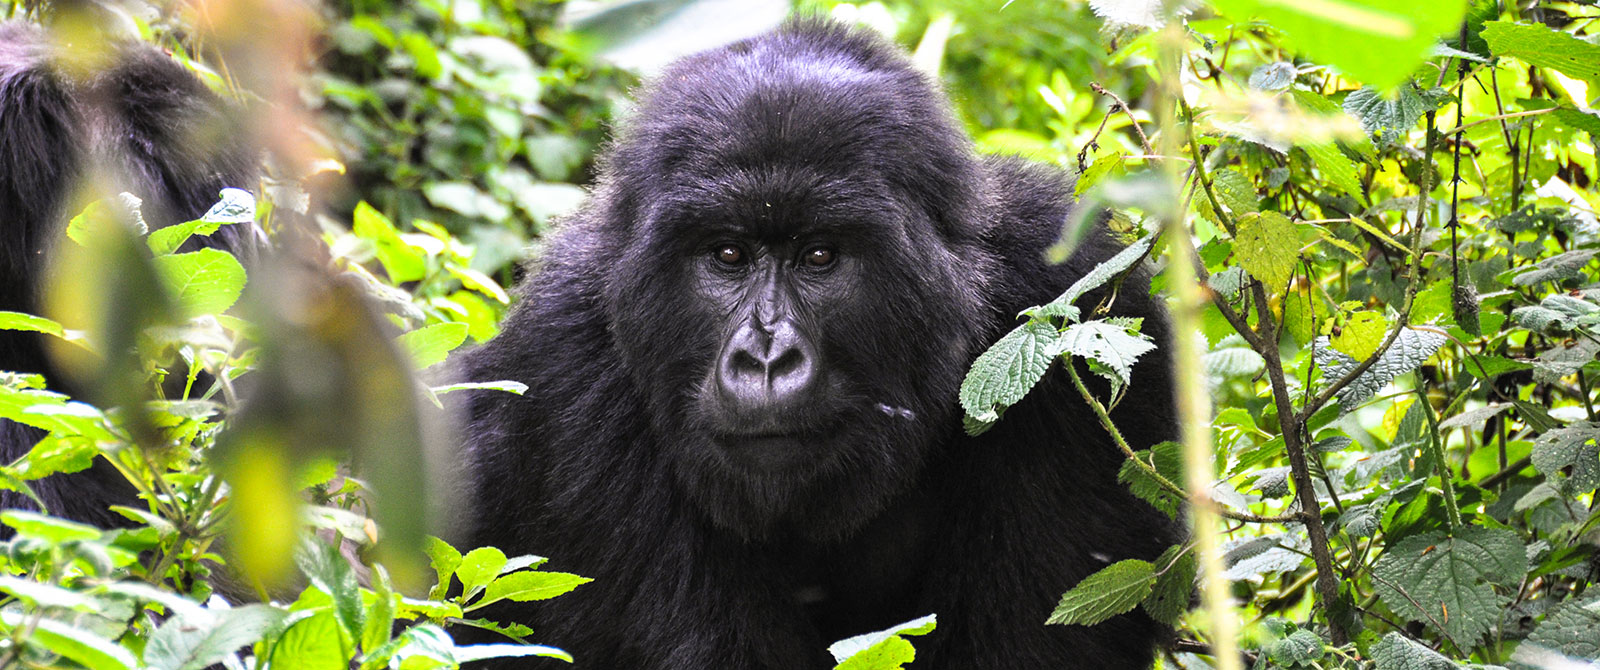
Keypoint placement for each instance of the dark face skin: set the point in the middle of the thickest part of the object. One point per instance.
(788, 347)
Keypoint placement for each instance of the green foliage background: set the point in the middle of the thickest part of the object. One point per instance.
(1390, 204)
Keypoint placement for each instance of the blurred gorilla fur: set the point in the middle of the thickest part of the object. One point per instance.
(141, 124)
(743, 357)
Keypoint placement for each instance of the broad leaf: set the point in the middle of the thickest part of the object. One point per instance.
(1450, 578)
(1004, 374)
(1113, 590)
(1268, 247)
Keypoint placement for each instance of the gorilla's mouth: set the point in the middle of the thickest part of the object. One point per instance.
(769, 451)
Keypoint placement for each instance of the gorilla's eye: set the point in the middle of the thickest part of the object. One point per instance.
(819, 257)
(728, 254)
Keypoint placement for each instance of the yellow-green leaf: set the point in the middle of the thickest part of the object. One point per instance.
(1268, 248)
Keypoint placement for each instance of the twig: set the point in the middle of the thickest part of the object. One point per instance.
(1117, 104)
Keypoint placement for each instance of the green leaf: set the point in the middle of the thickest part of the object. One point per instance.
(1268, 248)
(1169, 599)
(1395, 652)
(530, 585)
(314, 643)
(1540, 46)
(479, 567)
(1572, 629)
(1234, 191)
(1410, 350)
(167, 240)
(430, 345)
(46, 595)
(444, 559)
(1108, 163)
(1167, 459)
(203, 282)
(1252, 557)
(1573, 452)
(882, 650)
(1450, 578)
(83, 647)
(380, 616)
(1337, 168)
(48, 528)
(29, 322)
(1108, 344)
(1116, 589)
(1376, 41)
(1300, 648)
(1097, 277)
(402, 262)
(1391, 119)
(514, 388)
(478, 652)
(1004, 374)
(1560, 267)
(1361, 334)
(185, 643)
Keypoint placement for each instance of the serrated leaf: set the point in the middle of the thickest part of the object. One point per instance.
(1572, 451)
(1389, 119)
(1300, 648)
(1009, 369)
(1232, 363)
(531, 585)
(1273, 76)
(1568, 265)
(479, 567)
(1254, 557)
(430, 345)
(1234, 191)
(1097, 277)
(1541, 46)
(202, 282)
(1376, 41)
(1411, 349)
(1107, 163)
(1564, 359)
(1113, 590)
(1107, 343)
(1337, 168)
(1360, 335)
(1572, 629)
(1169, 599)
(1167, 459)
(1395, 652)
(1578, 119)
(1450, 578)
(1268, 247)
(1473, 417)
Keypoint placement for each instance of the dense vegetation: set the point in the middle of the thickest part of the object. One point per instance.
(1375, 220)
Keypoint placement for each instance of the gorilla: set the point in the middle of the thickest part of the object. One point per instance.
(148, 127)
(743, 356)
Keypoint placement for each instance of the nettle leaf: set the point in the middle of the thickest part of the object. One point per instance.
(1541, 46)
(1391, 119)
(1555, 268)
(1395, 652)
(1361, 334)
(1273, 76)
(1169, 599)
(1300, 648)
(1232, 363)
(1254, 557)
(1450, 578)
(1234, 191)
(1101, 274)
(1167, 459)
(1268, 248)
(1474, 417)
(1116, 589)
(1572, 629)
(1540, 320)
(1393, 36)
(1108, 343)
(1009, 369)
(1337, 168)
(1410, 350)
(1564, 359)
(1573, 451)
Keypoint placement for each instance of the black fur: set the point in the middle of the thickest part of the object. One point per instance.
(884, 511)
(149, 127)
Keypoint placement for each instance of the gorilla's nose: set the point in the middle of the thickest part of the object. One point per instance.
(761, 369)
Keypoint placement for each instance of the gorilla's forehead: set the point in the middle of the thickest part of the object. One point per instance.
(778, 200)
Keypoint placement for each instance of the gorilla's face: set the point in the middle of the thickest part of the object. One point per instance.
(796, 316)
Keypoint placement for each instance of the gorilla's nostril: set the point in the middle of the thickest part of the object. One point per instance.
(788, 361)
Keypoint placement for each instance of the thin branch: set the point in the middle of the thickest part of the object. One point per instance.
(1118, 104)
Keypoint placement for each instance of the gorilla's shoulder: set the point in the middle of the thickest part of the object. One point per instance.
(1033, 205)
